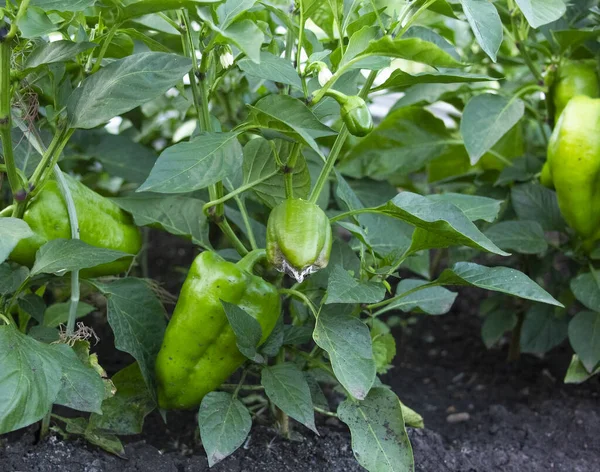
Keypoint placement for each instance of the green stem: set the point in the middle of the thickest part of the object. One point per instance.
(251, 259)
(20, 13)
(521, 47)
(301, 296)
(230, 234)
(46, 160)
(346, 214)
(247, 224)
(105, 44)
(397, 297)
(5, 319)
(249, 388)
(45, 426)
(413, 18)
(338, 144)
(237, 191)
(240, 383)
(54, 157)
(514, 349)
(325, 412)
(72, 212)
(6, 125)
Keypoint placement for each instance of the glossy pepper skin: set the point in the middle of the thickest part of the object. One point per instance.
(356, 115)
(101, 223)
(299, 238)
(199, 350)
(574, 78)
(574, 166)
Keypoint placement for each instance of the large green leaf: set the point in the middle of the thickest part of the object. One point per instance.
(525, 237)
(57, 51)
(224, 425)
(123, 85)
(584, 336)
(287, 388)
(348, 343)
(485, 23)
(405, 141)
(343, 288)
(196, 164)
(400, 80)
(379, 438)
(12, 230)
(273, 68)
(498, 279)
(542, 12)
(486, 119)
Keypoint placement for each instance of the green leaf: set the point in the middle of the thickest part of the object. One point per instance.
(224, 425)
(287, 115)
(485, 23)
(348, 343)
(124, 412)
(109, 442)
(384, 351)
(379, 438)
(343, 288)
(179, 215)
(541, 12)
(430, 300)
(12, 230)
(122, 157)
(287, 388)
(272, 68)
(496, 324)
(405, 141)
(244, 34)
(577, 372)
(486, 119)
(497, 279)
(542, 330)
(123, 85)
(194, 165)
(229, 10)
(533, 202)
(33, 305)
(137, 319)
(35, 23)
(57, 51)
(58, 313)
(62, 5)
(146, 7)
(412, 49)
(82, 387)
(247, 330)
(584, 336)
(524, 237)
(439, 224)
(586, 288)
(259, 162)
(30, 378)
(427, 34)
(64, 255)
(474, 207)
(400, 80)
(11, 278)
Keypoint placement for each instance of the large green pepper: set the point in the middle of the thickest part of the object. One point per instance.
(574, 166)
(101, 223)
(199, 350)
(298, 238)
(574, 78)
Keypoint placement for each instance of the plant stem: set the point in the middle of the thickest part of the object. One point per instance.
(325, 412)
(6, 125)
(249, 388)
(301, 296)
(338, 144)
(514, 349)
(45, 426)
(13, 27)
(247, 224)
(5, 319)
(240, 384)
(237, 191)
(105, 44)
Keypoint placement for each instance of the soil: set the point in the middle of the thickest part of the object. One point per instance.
(481, 414)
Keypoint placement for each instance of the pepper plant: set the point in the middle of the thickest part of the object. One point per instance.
(244, 126)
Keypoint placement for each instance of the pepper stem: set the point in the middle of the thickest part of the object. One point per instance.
(248, 262)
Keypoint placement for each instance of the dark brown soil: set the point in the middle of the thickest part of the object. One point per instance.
(517, 417)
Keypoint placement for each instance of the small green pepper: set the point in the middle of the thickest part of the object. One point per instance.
(299, 238)
(199, 350)
(356, 116)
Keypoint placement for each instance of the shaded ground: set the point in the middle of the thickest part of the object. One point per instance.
(481, 415)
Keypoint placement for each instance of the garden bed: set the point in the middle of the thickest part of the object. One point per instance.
(481, 414)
